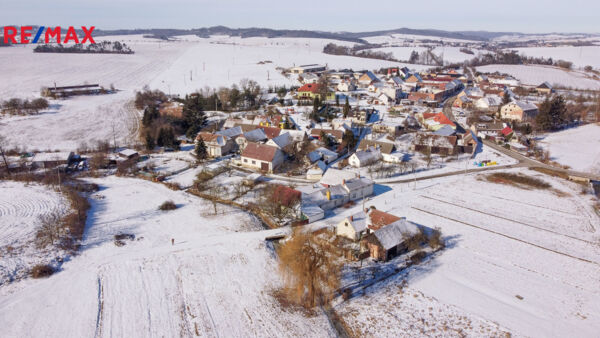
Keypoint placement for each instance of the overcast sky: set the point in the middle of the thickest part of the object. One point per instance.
(525, 16)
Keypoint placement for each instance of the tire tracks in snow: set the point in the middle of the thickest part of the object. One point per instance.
(100, 314)
(509, 237)
(511, 220)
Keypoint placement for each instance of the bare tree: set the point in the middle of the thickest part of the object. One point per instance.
(50, 229)
(3, 149)
(310, 267)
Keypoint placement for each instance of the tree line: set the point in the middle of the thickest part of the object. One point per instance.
(104, 47)
(18, 106)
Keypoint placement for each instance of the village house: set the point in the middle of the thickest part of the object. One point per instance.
(312, 68)
(462, 102)
(519, 111)
(128, 153)
(281, 141)
(336, 134)
(353, 227)
(334, 196)
(323, 154)
(367, 79)
(262, 157)
(336, 177)
(387, 150)
(487, 129)
(216, 145)
(255, 135)
(311, 90)
(51, 160)
(434, 121)
(544, 89)
(436, 144)
(388, 127)
(389, 241)
(346, 86)
(363, 158)
(489, 103)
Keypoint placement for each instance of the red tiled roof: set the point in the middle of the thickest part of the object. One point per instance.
(207, 137)
(442, 119)
(271, 132)
(380, 219)
(506, 131)
(261, 152)
(309, 87)
(338, 134)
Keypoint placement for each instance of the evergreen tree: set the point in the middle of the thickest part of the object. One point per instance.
(506, 99)
(201, 152)
(558, 112)
(346, 108)
(348, 139)
(337, 101)
(150, 144)
(150, 113)
(286, 123)
(193, 115)
(543, 120)
(552, 114)
(315, 113)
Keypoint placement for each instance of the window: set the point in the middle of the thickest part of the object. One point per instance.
(253, 162)
(245, 160)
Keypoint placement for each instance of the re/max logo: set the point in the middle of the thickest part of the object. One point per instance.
(26, 32)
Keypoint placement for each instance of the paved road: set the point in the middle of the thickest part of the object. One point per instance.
(528, 162)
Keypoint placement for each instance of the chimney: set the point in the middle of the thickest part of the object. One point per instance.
(344, 181)
(351, 218)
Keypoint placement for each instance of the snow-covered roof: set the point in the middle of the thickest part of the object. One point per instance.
(48, 157)
(311, 210)
(526, 105)
(446, 130)
(367, 155)
(255, 135)
(280, 141)
(231, 132)
(393, 234)
(127, 152)
(358, 221)
(336, 176)
(357, 183)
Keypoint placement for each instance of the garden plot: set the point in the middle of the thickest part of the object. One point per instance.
(21, 206)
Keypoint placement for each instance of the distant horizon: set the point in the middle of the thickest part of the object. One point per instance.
(522, 16)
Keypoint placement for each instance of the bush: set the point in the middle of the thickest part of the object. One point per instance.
(518, 180)
(435, 240)
(418, 257)
(41, 270)
(168, 205)
(414, 242)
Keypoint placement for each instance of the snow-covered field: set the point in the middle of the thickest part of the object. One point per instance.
(21, 207)
(579, 148)
(502, 269)
(580, 56)
(177, 67)
(214, 281)
(537, 74)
